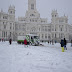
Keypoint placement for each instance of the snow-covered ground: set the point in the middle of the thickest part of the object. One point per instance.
(47, 58)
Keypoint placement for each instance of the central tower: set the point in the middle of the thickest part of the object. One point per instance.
(31, 4)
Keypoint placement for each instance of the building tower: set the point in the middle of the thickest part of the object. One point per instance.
(11, 12)
(54, 15)
(31, 4)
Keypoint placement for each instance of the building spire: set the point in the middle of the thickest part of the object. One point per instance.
(31, 4)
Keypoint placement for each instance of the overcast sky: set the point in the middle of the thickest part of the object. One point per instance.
(44, 7)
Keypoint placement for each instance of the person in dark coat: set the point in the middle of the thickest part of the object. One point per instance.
(10, 41)
(71, 43)
(48, 42)
(65, 43)
(0, 39)
(62, 45)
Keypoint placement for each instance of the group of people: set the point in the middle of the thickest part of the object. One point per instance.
(52, 42)
(10, 40)
(64, 43)
(2, 39)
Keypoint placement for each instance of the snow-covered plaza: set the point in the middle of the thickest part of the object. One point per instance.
(47, 58)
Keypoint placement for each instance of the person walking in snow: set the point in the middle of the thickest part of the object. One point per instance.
(25, 42)
(52, 42)
(62, 45)
(71, 43)
(10, 41)
(2, 39)
(65, 43)
(48, 42)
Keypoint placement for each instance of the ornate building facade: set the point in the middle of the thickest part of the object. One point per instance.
(32, 23)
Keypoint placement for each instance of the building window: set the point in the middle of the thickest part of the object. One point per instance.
(55, 35)
(42, 35)
(45, 28)
(10, 34)
(32, 15)
(4, 26)
(52, 15)
(55, 15)
(32, 6)
(46, 36)
(61, 29)
(3, 22)
(52, 35)
(5, 17)
(10, 25)
(39, 29)
(35, 20)
(55, 29)
(11, 12)
(4, 34)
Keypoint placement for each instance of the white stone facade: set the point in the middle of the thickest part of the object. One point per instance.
(33, 24)
(7, 23)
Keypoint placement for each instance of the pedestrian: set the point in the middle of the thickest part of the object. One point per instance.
(55, 41)
(48, 42)
(71, 43)
(2, 39)
(10, 41)
(62, 45)
(25, 42)
(52, 42)
(65, 43)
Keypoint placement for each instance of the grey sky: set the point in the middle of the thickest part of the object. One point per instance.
(44, 7)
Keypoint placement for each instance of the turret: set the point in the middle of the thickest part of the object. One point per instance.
(31, 4)
(54, 14)
(11, 12)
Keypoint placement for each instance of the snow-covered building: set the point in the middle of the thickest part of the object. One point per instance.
(32, 23)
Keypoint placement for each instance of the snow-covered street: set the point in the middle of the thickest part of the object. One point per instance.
(47, 58)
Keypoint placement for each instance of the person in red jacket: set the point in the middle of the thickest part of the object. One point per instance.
(25, 42)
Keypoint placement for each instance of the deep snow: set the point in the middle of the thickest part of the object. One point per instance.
(47, 58)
